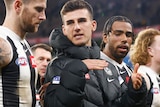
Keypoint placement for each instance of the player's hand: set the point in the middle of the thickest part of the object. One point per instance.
(95, 64)
(136, 77)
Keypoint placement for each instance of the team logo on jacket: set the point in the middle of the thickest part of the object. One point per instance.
(108, 71)
(87, 76)
(21, 61)
(56, 80)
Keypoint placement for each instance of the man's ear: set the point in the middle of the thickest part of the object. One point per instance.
(63, 30)
(94, 25)
(105, 37)
(18, 5)
(150, 51)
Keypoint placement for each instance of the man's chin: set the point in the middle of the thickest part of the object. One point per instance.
(122, 55)
(79, 44)
(35, 30)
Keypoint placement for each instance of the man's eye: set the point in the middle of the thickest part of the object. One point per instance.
(39, 9)
(69, 22)
(129, 34)
(118, 33)
(82, 20)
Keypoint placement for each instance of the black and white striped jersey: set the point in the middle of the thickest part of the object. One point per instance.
(153, 84)
(18, 78)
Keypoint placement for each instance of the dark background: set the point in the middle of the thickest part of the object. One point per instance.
(143, 13)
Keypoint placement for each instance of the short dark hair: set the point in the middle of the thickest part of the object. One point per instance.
(108, 25)
(41, 45)
(72, 5)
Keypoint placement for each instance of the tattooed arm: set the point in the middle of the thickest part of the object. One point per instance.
(5, 52)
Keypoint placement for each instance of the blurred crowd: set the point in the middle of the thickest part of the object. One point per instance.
(141, 12)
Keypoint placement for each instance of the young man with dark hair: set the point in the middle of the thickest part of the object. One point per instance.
(72, 74)
(122, 86)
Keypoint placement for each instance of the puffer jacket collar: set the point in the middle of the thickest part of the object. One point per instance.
(61, 43)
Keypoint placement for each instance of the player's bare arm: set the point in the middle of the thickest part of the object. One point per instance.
(5, 52)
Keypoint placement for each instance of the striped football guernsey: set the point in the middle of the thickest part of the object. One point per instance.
(18, 78)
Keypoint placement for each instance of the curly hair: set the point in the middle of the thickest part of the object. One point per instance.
(139, 50)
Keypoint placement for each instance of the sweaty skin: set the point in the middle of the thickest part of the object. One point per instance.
(5, 52)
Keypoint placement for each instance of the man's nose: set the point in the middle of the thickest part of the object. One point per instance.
(42, 16)
(77, 26)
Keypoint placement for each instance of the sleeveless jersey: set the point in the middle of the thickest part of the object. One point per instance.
(155, 88)
(18, 78)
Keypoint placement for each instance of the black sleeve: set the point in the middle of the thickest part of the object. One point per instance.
(135, 98)
(70, 91)
(113, 95)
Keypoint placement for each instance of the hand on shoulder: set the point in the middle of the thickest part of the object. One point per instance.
(95, 64)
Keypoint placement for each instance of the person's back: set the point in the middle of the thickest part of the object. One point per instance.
(18, 76)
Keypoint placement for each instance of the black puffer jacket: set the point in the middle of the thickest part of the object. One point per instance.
(69, 87)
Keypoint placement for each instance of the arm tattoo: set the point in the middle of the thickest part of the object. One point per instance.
(5, 53)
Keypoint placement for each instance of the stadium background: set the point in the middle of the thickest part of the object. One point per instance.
(143, 14)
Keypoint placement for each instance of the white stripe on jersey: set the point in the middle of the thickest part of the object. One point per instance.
(23, 74)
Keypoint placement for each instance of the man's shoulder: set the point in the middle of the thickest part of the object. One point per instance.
(3, 32)
(6, 53)
(58, 60)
